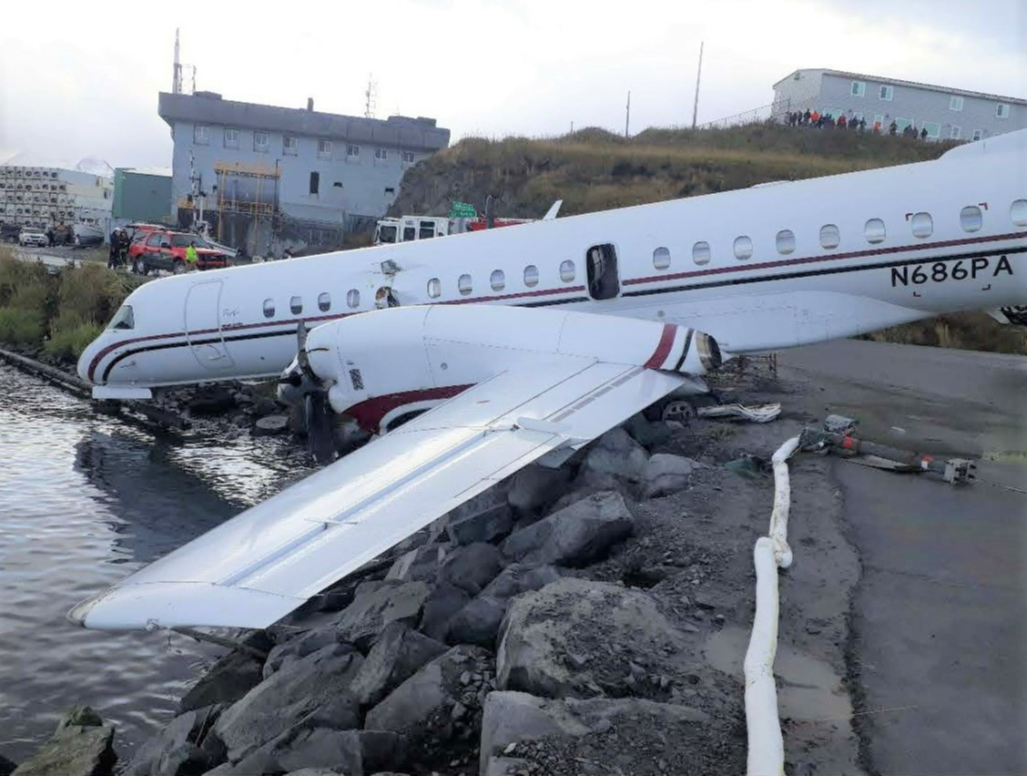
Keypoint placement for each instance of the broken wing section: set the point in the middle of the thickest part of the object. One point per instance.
(267, 561)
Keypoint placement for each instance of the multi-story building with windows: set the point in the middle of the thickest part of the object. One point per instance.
(267, 178)
(48, 196)
(947, 114)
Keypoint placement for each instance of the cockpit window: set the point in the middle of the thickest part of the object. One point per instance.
(123, 318)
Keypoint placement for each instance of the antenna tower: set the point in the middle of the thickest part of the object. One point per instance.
(370, 98)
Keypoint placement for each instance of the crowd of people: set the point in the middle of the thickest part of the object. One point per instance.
(818, 120)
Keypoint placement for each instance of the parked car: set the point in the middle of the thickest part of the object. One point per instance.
(31, 235)
(164, 249)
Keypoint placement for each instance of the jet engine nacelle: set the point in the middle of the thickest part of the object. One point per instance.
(400, 360)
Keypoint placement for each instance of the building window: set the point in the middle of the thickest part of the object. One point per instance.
(352, 151)
(296, 305)
(434, 288)
(859, 88)
(315, 182)
(289, 146)
(567, 271)
(201, 135)
(324, 302)
(785, 242)
(971, 218)
(874, 231)
(1002, 111)
(408, 157)
(1018, 212)
(830, 237)
(353, 297)
(978, 134)
(954, 132)
(381, 154)
(955, 102)
(922, 225)
(743, 248)
(269, 308)
(498, 280)
(464, 285)
(231, 138)
(933, 129)
(701, 253)
(261, 141)
(886, 92)
(324, 149)
(531, 276)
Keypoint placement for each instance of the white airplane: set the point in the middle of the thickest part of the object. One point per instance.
(618, 310)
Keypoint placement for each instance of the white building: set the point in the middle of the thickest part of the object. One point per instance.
(948, 114)
(48, 196)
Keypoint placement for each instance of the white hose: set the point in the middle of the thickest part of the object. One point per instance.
(766, 744)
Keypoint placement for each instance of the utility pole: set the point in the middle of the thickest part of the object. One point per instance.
(627, 116)
(176, 77)
(698, 77)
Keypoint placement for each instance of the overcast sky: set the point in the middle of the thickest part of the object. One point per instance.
(80, 79)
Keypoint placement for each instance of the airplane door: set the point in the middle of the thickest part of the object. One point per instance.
(203, 327)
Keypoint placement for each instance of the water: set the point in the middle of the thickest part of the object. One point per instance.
(84, 501)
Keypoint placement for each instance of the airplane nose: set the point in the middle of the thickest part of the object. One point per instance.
(86, 359)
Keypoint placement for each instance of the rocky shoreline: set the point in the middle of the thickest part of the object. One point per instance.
(585, 620)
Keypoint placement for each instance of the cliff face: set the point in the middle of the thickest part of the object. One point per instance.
(593, 170)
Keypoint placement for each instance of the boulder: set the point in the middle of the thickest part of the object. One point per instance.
(423, 704)
(299, 647)
(271, 425)
(472, 567)
(618, 454)
(647, 433)
(264, 406)
(375, 606)
(314, 689)
(175, 749)
(520, 578)
(6, 766)
(395, 657)
(421, 563)
(576, 535)
(577, 638)
(211, 400)
(534, 487)
(512, 717)
(505, 766)
(74, 749)
(665, 474)
(477, 623)
(444, 602)
(229, 679)
(351, 752)
(488, 525)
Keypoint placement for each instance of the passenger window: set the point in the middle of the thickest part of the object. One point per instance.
(1018, 212)
(269, 308)
(922, 225)
(661, 258)
(971, 218)
(464, 284)
(830, 237)
(531, 276)
(743, 248)
(567, 271)
(296, 305)
(875, 231)
(701, 253)
(324, 302)
(434, 288)
(603, 278)
(785, 242)
(498, 280)
(353, 298)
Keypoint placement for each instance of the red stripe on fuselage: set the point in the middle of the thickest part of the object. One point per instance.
(662, 348)
(369, 413)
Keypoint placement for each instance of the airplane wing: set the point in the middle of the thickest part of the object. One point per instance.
(267, 561)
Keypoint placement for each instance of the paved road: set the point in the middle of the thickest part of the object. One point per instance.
(940, 612)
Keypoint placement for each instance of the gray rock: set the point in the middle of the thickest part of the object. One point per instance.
(395, 657)
(80, 716)
(472, 567)
(7, 766)
(429, 694)
(520, 578)
(618, 454)
(666, 474)
(646, 433)
(375, 607)
(477, 623)
(228, 680)
(300, 646)
(444, 602)
(314, 689)
(317, 772)
(504, 766)
(270, 425)
(534, 486)
(353, 752)
(264, 407)
(74, 750)
(488, 525)
(421, 563)
(175, 748)
(572, 616)
(576, 535)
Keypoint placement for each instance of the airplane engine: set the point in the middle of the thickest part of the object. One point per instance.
(387, 365)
